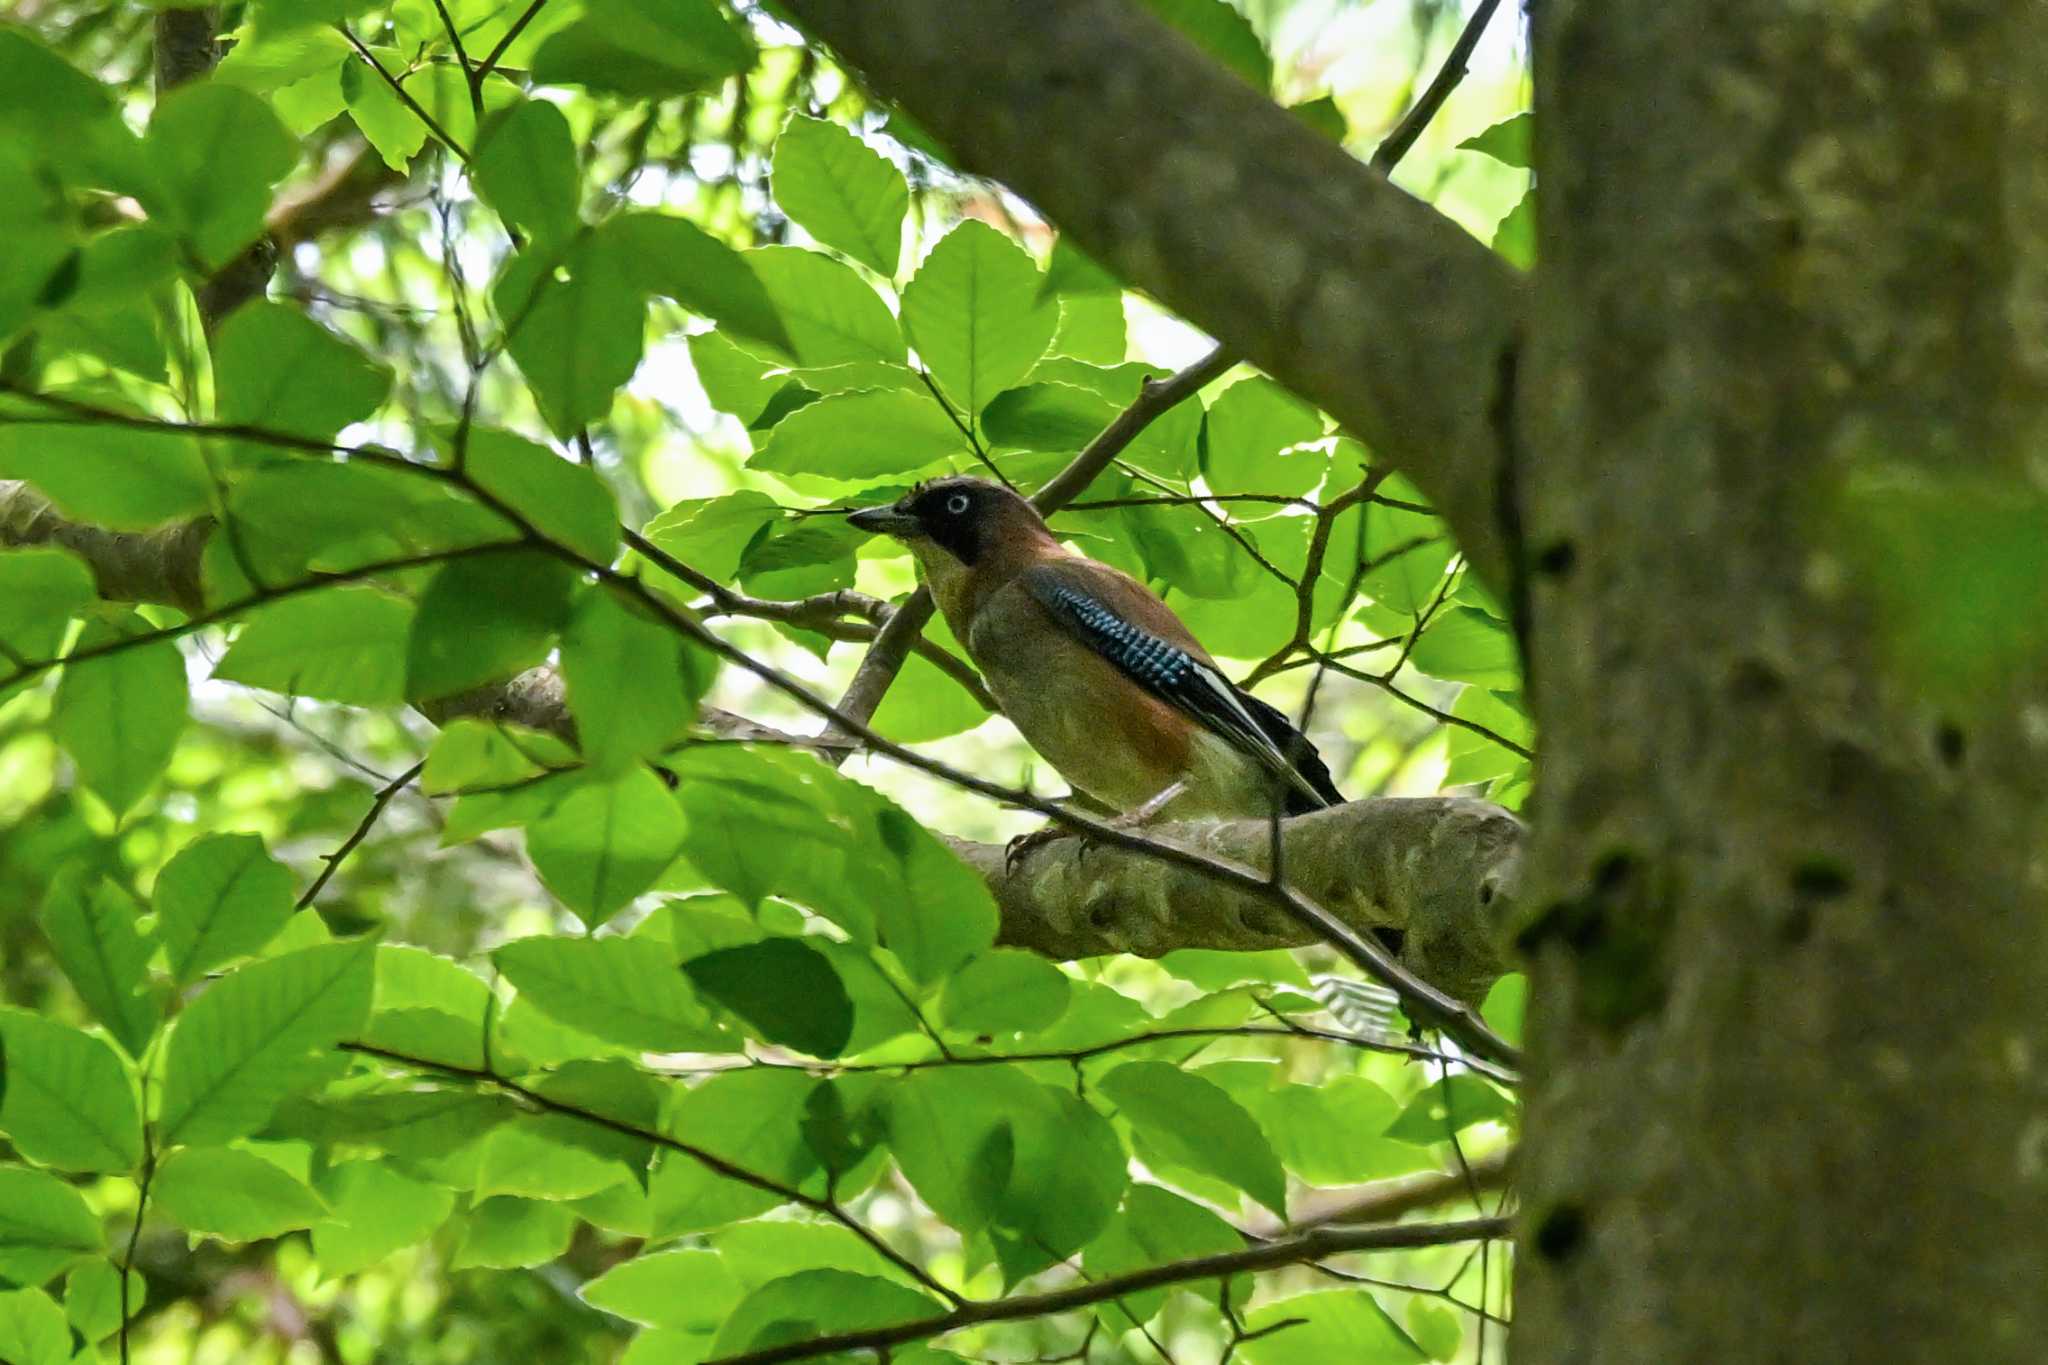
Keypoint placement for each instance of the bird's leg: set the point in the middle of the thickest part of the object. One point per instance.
(1023, 845)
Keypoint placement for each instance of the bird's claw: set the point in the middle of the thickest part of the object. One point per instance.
(1024, 845)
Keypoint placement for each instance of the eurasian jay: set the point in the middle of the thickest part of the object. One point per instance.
(1095, 671)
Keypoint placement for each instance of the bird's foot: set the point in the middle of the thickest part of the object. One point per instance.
(1024, 845)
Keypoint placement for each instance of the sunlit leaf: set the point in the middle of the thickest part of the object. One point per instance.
(605, 842)
(841, 191)
(1196, 1124)
(222, 897)
(68, 1101)
(232, 1194)
(45, 1225)
(524, 166)
(626, 990)
(976, 314)
(344, 644)
(276, 369)
(119, 714)
(241, 1047)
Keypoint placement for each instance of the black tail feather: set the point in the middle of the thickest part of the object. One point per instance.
(1300, 753)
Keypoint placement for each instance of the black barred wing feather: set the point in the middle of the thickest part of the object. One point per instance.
(1195, 687)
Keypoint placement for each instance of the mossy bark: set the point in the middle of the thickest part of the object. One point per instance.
(1789, 900)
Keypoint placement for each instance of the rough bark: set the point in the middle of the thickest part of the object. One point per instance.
(1442, 869)
(1788, 1051)
(1200, 189)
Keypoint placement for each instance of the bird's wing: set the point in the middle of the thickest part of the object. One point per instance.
(1136, 632)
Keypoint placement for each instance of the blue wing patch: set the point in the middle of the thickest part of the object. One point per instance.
(1172, 674)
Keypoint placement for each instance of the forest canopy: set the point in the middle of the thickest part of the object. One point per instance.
(497, 868)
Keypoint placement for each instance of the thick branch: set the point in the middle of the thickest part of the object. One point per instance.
(1442, 869)
(1268, 236)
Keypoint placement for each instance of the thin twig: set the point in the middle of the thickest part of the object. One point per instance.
(1396, 144)
(404, 95)
(332, 861)
(1311, 1246)
(710, 1160)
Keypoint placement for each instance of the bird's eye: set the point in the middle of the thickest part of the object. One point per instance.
(956, 504)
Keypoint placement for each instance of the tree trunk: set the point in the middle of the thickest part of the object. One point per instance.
(1789, 1046)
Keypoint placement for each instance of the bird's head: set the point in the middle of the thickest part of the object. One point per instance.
(962, 518)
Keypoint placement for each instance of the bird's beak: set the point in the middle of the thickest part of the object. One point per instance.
(886, 521)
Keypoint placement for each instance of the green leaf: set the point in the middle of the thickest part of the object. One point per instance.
(814, 1303)
(785, 989)
(623, 990)
(1005, 990)
(241, 1047)
(1515, 235)
(668, 255)
(633, 684)
(687, 1290)
(40, 591)
(486, 617)
(1474, 757)
(276, 369)
(574, 322)
(711, 535)
(221, 897)
(987, 1147)
(1321, 1131)
(1448, 1107)
(751, 1118)
(841, 191)
(45, 1225)
(976, 313)
(927, 703)
(92, 1299)
(234, 1195)
(861, 436)
(1338, 1324)
(524, 166)
(606, 842)
(785, 824)
(1249, 425)
(508, 1233)
(651, 48)
(386, 123)
(32, 1329)
(1435, 1328)
(735, 381)
(1505, 1006)
(566, 502)
(376, 1211)
(119, 715)
(1194, 1123)
(1218, 29)
(121, 478)
(1092, 328)
(1466, 645)
(1508, 142)
(95, 942)
(831, 314)
(1156, 1226)
(759, 1252)
(215, 151)
(342, 644)
(67, 1100)
(1325, 116)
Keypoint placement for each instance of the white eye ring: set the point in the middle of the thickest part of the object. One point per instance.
(957, 504)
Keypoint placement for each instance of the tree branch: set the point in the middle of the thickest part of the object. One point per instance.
(1235, 214)
(1310, 1246)
(1442, 869)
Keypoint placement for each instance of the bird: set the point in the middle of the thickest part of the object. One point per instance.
(1097, 673)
